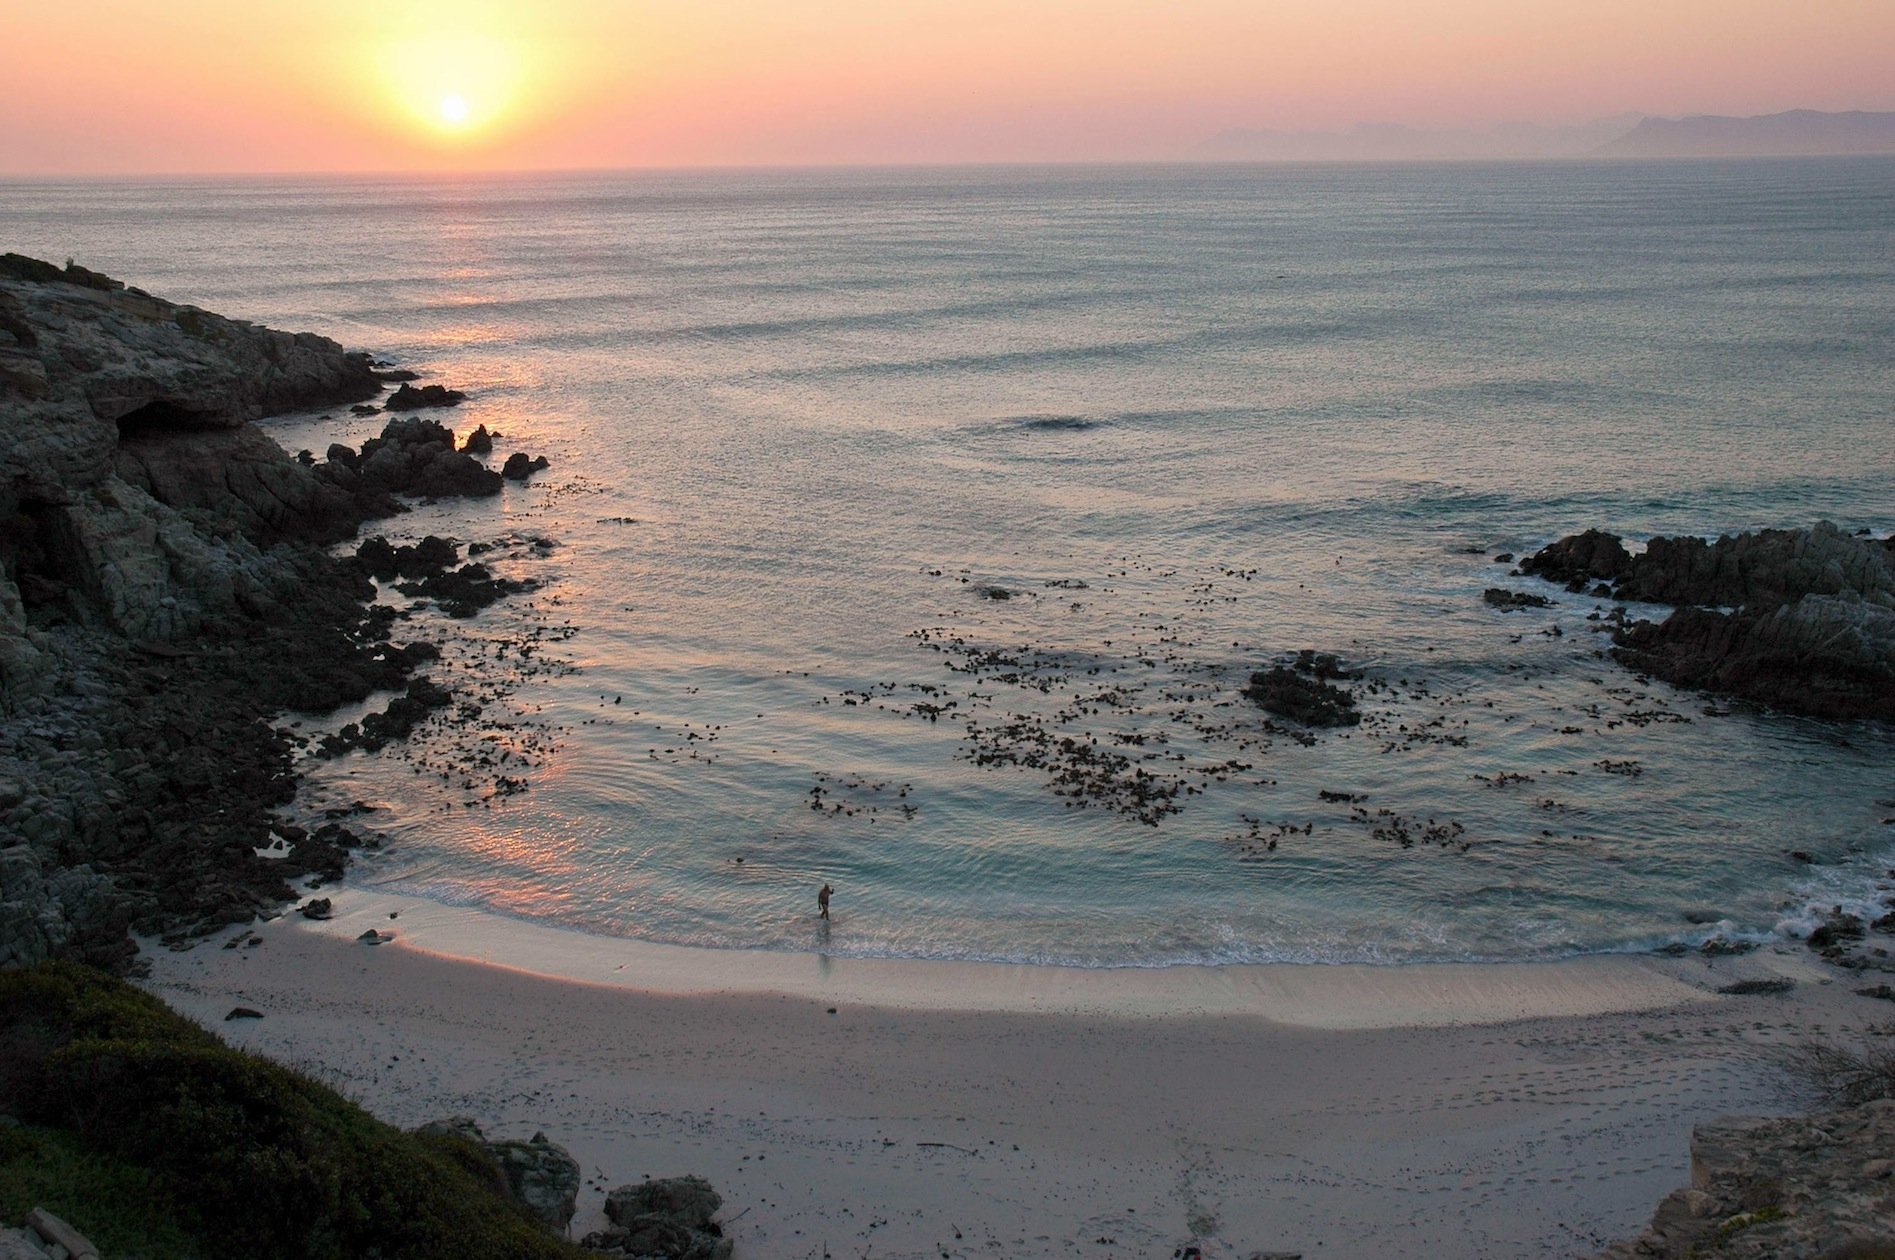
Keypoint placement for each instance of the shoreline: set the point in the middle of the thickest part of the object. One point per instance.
(894, 1108)
(1311, 995)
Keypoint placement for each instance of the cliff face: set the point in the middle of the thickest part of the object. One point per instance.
(133, 494)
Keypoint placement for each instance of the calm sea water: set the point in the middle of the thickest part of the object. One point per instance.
(802, 423)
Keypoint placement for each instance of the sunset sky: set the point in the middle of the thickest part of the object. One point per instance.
(110, 86)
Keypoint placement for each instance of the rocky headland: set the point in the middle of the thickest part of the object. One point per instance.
(166, 591)
(1802, 620)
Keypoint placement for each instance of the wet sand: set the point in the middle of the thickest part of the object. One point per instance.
(972, 1109)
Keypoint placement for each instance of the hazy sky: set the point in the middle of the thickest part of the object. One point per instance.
(266, 85)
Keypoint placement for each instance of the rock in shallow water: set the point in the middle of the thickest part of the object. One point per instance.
(1289, 694)
(1803, 620)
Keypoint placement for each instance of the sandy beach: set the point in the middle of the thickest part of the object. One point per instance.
(892, 1109)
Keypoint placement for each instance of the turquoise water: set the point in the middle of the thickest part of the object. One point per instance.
(1252, 410)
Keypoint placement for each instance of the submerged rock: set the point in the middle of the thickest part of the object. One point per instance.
(1509, 601)
(1291, 695)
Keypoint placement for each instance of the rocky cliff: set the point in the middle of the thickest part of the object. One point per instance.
(163, 595)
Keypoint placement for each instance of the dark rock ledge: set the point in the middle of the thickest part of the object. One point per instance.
(165, 594)
(1799, 619)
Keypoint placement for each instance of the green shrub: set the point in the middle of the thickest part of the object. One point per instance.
(263, 1159)
(120, 1207)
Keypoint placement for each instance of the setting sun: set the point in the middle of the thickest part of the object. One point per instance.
(454, 110)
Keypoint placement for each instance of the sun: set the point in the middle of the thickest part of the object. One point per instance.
(454, 109)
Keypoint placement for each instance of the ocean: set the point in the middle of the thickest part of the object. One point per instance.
(917, 531)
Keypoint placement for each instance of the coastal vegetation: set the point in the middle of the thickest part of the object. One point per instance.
(153, 1137)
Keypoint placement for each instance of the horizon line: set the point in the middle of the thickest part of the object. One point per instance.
(489, 172)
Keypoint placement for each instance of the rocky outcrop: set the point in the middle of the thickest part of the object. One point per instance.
(670, 1218)
(1803, 620)
(1822, 655)
(540, 1175)
(1767, 568)
(1804, 1188)
(164, 595)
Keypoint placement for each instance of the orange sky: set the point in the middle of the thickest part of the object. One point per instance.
(121, 86)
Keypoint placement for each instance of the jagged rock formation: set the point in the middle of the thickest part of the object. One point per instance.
(1800, 619)
(1805, 1188)
(162, 597)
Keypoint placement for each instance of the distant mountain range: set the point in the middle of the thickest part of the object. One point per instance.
(1798, 133)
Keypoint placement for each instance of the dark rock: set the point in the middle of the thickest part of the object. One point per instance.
(1803, 620)
(1837, 928)
(1507, 601)
(1505, 557)
(319, 908)
(1822, 656)
(409, 398)
(242, 1012)
(1593, 554)
(689, 1200)
(364, 409)
(479, 442)
(466, 590)
(519, 467)
(1288, 694)
(1323, 665)
(668, 1218)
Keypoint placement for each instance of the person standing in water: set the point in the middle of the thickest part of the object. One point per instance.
(822, 900)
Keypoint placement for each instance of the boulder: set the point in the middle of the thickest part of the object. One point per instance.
(519, 466)
(689, 1200)
(479, 442)
(542, 1176)
(670, 1218)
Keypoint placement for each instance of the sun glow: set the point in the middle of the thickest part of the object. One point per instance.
(458, 87)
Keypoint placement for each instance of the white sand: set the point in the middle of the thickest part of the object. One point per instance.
(973, 1110)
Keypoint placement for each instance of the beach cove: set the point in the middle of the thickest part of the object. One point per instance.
(885, 1107)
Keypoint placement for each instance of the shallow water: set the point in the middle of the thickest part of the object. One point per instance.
(801, 423)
